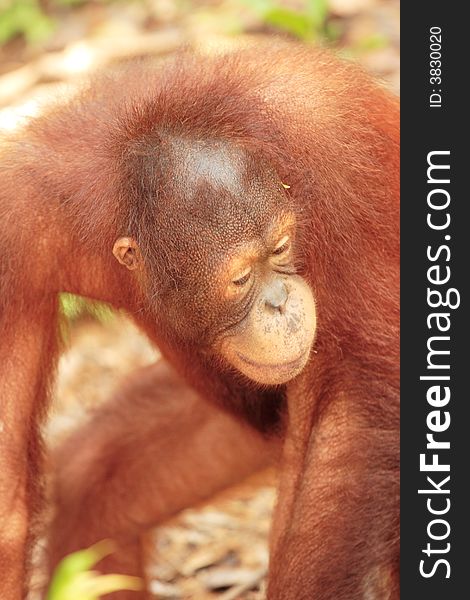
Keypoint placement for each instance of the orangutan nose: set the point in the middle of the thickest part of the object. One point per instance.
(276, 296)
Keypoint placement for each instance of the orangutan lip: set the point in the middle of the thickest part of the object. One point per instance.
(284, 366)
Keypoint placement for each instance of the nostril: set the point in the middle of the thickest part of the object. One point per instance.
(276, 296)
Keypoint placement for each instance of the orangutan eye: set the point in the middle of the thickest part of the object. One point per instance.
(243, 277)
(282, 246)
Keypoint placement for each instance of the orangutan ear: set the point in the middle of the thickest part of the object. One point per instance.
(126, 251)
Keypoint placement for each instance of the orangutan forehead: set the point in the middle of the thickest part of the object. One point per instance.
(219, 188)
(210, 162)
(215, 163)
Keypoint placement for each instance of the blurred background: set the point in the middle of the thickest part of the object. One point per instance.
(46, 47)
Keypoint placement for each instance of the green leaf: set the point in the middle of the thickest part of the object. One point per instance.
(24, 17)
(374, 41)
(291, 21)
(305, 23)
(317, 11)
(73, 306)
(73, 578)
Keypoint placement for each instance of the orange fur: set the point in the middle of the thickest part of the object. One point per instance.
(69, 189)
